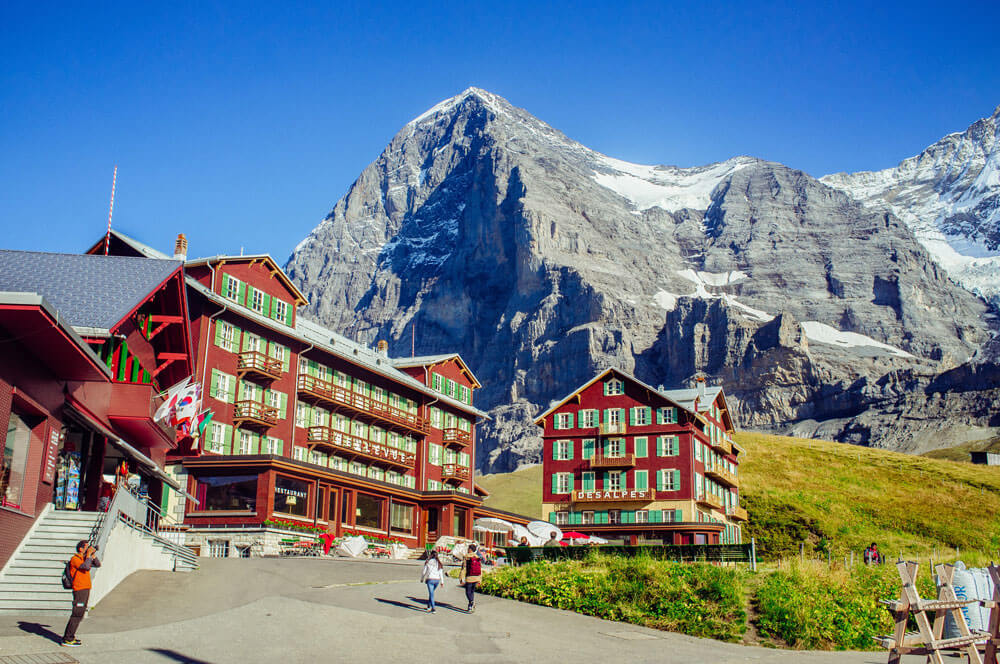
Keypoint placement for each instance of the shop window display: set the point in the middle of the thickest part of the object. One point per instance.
(291, 496)
(228, 493)
(368, 511)
(15, 457)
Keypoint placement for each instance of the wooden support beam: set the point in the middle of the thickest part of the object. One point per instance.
(164, 365)
(164, 318)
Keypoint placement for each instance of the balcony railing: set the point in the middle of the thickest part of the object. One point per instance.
(623, 461)
(738, 514)
(456, 438)
(353, 446)
(612, 429)
(254, 413)
(254, 364)
(451, 472)
(341, 397)
(723, 446)
(720, 474)
(710, 500)
(615, 496)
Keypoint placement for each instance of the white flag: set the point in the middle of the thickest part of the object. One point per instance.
(168, 405)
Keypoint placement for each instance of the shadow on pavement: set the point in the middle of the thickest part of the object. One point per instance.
(176, 656)
(438, 603)
(402, 605)
(40, 630)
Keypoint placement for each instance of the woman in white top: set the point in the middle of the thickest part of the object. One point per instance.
(433, 575)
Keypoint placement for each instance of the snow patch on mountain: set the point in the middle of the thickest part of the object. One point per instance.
(666, 187)
(704, 280)
(667, 301)
(857, 343)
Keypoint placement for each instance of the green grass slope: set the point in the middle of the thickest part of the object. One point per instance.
(838, 497)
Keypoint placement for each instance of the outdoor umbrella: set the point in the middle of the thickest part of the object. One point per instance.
(544, 530)
(520, 531)
(576, 538)
(594, 539)
(491, 525)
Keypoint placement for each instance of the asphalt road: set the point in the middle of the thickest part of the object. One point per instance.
(325, 610)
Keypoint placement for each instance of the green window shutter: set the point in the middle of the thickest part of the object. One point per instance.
(552, 517)
(607, 416)
(576, 518)
(659, 416)
(654, 516)
(555, 450)
(659, 480)
(289, 309)
(607, 447)
(269, 311)
(241, 293)
(588, 448)
(605, 388)
(588, 481)
(227, 439)
(673, 415)
(604, 516)
(231, 391)
(675, 445)
(283, 407)
(659, 446)
(267, 303)
(569, 448)
(213, 388)
(555, 482)
(649, 414)
(677, 516)
(606, 480)
(677, 479)
(286, 358)
(219, 329)
(641, 480)
(631, 416)
(571, 481)
(225, 283)
(640, 447)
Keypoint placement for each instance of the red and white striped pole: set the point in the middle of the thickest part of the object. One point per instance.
(107, 238)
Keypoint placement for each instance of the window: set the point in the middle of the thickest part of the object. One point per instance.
(226, 336)
(231, 288)
(667, 446)
(613, 416)
(563, 421)
(368, 511)
(588, 518)
(299, 454)
(641, 445)
(615, 447)
(449, 387)
(227, 493)
(614, 516)
(247, 443)
(436, 418)
(642, 516)
(218, 548)
(401, 517)
(589, 481)
(668, 480)
(280, 310)
(15, 459)
(256, 300)
(588, 448)
(588, 419)
(613, 481)
(273, 446)
(437, 382)
(562, 450)
(666, 415)
(434, 457)
(641, 416)
(464, 394)
(217, 438)
(641, 480)
(252, 343)
(698, 455)
(301, 414)
(562, 483)
(561, 518)
(290, 496)
(614, 387)
(280, 353)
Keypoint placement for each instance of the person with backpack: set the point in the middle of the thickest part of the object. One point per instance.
(76, 576)
(872, 555)
(471, 575)
(433, 575)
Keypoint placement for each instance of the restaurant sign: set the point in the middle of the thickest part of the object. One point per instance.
(51, 456)
(600, 496)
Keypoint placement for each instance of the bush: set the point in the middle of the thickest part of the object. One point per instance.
(700, 600)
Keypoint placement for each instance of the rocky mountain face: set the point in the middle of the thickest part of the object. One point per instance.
(482, 230)
(949, 195)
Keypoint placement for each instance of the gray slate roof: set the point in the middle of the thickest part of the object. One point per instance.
(687, 396)
(87, 291)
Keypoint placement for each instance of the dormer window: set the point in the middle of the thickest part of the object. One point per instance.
(231, 289)
(614, 387)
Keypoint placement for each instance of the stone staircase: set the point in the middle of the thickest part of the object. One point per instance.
(31, 581)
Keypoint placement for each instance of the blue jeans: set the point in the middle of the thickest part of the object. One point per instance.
(432, 585)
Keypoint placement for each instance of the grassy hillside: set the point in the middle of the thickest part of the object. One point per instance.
(961, 452)
(838, 497)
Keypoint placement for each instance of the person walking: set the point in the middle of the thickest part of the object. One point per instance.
(471, 575)
(79, 569)
(433, 575)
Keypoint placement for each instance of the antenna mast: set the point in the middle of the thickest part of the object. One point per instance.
(107, 238)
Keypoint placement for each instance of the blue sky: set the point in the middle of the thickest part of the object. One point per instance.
(242, 124)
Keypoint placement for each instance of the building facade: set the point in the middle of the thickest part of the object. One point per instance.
(622, 459)
(311, 428)
(88, 344)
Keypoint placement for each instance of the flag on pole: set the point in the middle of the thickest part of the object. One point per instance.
(188, 405)
(170, 402)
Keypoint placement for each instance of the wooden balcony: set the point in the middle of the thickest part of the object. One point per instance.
(738, 514)
(343, 399)
(723, 476)
(254, 414)
(617, 496)
(353, 447)
(723, 446)
(255, 365)
(710, 500)
(456, 438)
(451, 472)
(608, 429)
(623, 461)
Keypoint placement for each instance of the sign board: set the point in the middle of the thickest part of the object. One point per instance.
(611, 496)
(51, 456)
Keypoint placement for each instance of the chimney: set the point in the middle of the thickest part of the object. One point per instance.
(181, 248)
(700, 380)
(383, 347)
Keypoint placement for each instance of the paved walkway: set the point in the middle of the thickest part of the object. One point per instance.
(312, 610)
